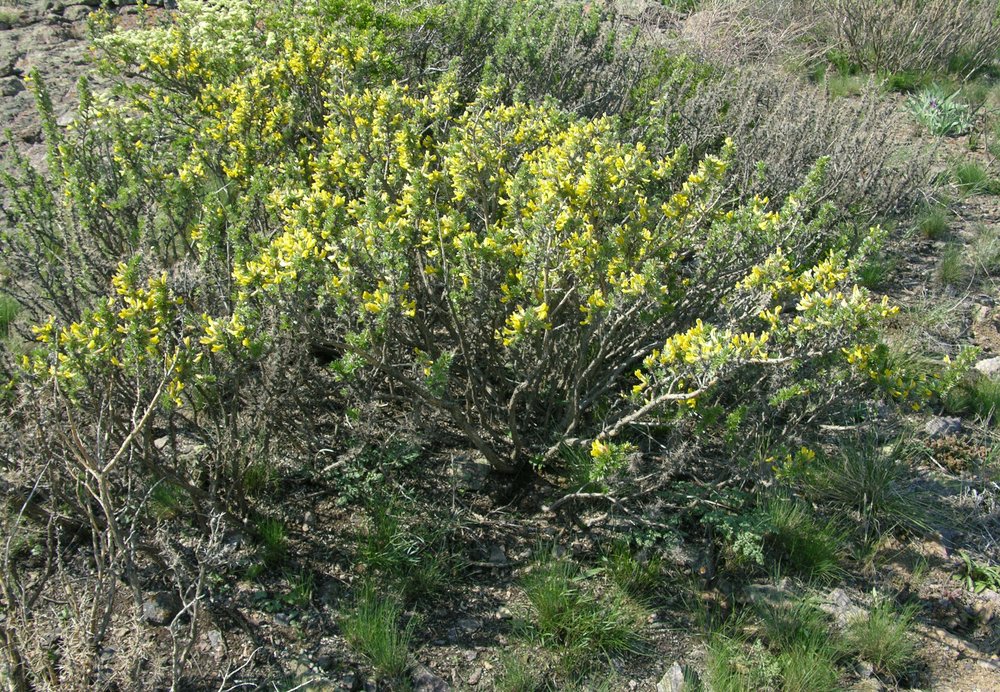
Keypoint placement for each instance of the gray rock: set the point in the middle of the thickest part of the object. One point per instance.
(424, 680)
(943, 426)
(214, 638)
(840, 605)
(498, 556)
(470, 472)
(161, 608)
(989, 367)
(673, 680)
(11, 86)
(77, 13)
(469, 625)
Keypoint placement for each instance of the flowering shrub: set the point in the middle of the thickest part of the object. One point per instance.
(530, 274)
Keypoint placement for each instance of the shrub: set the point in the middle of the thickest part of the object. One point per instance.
(962, 35)
(781, 130)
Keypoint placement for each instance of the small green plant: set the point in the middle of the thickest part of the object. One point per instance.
(274, 542)
(883, 638)
(972, 179)
(373, 629)
(517, 674)
(976, 576)
(413, 558)
(942, 114)
(803, 544)
(8, 311)
(584, 621)
(951, 269)
(300, 589)
(933, 223)
(637, 576)
(871, 489)
(735, 665)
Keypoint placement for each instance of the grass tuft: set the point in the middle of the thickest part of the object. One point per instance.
(972, 179)
(883, 639)
(809, 547)
(933, 223)
(372, 628)
(872, 489)
(583, 623)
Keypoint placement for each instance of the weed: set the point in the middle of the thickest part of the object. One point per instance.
(412, 558)
(635, 576)
(975, 395)
(933, 223)
(8, 311)
(9, 16)
(259, 478)
(167, 501)
(972, 179)
(372, 629)
(808, 546)
(951, 269)
(517, 674)
(976, 576)
(569, 614)
(872, 489)
(274, 542)
(841, 85)
(876, 272)
(985, 250)
(907, 81)
(808, 670)
(300, 589)
(940, 113)
(882, 638)
(732, 665)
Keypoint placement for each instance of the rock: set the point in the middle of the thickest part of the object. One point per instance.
(214, 639)
(840, 605)
(989, 367)
(161, 608)
(11, 86)
(934, 548)
(469, 625)
(770, 594)
(470, 472)
(498, 556)
(76, 13)
(943, 426)
(424, 680)
(673, 680)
